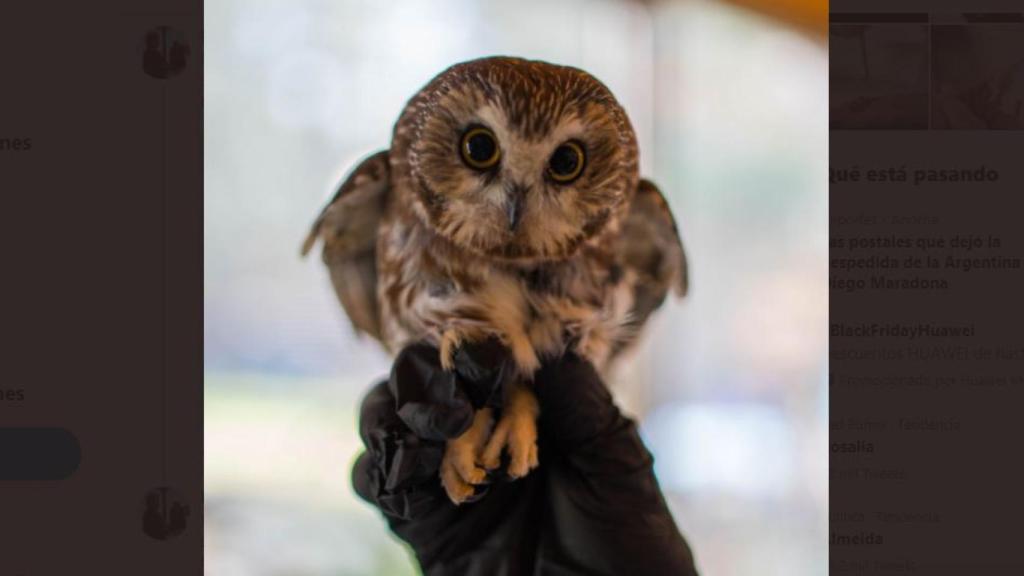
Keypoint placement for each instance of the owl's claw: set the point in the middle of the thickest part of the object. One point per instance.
(468, 458)
(459, 484)
(465, 465)
(516, 432)
(459, 470)
(491, 458)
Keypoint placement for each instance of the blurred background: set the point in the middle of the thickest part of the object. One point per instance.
(730, 104)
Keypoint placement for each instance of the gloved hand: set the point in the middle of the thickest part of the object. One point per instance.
(592, 507)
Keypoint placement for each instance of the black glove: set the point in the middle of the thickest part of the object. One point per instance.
(592, 507)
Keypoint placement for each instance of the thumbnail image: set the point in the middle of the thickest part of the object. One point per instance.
(878, 76)
(978, 77)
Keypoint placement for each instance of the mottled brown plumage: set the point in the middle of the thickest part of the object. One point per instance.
(557, 243)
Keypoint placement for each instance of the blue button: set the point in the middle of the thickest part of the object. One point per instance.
(38, 454)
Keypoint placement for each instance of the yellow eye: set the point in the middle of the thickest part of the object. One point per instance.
(566, 163)
(479, 148)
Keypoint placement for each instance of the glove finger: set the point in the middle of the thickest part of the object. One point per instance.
(482, 369)
(396, 459)
(427, 397)
(437, 422)
(413, 462)
(365, 478)
(377, 412)
(575, 404)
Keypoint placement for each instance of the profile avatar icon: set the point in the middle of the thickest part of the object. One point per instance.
(165, 54)
(165, 515)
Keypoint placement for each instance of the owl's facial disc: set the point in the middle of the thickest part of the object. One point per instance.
(522, 176)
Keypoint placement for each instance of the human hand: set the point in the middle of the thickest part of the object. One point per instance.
(593, 507)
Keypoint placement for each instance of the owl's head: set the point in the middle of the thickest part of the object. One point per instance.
(515, 159)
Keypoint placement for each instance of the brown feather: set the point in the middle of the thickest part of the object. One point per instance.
(652, 256)
(348, 227)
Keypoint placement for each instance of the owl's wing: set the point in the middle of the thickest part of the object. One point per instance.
(348, 226)
(650, 248)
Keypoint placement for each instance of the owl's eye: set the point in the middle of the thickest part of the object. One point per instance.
(566, 163)
(479, 148)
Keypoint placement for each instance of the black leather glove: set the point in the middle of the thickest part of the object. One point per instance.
(592, 507)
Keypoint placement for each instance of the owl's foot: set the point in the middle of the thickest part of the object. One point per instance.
(459, 469)
(517, 432)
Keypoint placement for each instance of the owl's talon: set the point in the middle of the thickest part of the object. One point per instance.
(491, 457)
(459, 469)
(459, 474)
(457, 489)
(469, 471)
(520, 451)
(515, 433)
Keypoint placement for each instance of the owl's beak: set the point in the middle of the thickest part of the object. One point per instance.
(516, 203)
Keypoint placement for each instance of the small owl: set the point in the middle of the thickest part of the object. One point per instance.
(509, 205)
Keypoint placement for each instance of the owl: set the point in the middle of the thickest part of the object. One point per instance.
(509, 205)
